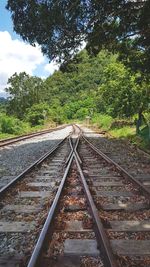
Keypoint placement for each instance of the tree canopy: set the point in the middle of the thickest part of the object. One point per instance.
(24, 91)
(61, 26)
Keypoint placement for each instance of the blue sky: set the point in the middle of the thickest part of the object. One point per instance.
(18, 56)
(6, 22)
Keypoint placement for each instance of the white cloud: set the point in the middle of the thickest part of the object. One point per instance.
(51, 67)
(17, 56)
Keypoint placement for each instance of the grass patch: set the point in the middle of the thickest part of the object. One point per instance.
(129, 132)
(123, 129)
(124, 132)
(5, 135)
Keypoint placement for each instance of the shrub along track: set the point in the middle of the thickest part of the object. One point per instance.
(116, 208)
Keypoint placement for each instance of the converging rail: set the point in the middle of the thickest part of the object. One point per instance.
(89, 212)
(102, 243)
(109, 192)
(122, 203)
(29, 194)
(74, 248)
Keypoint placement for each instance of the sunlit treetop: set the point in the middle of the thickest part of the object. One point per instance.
(60, 26)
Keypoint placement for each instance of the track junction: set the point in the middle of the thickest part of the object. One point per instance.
(75, 207)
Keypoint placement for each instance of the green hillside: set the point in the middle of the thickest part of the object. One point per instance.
(101, 87)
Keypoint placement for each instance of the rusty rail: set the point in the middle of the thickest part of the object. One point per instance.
(46, 233)
(103, 241)
(35, 260)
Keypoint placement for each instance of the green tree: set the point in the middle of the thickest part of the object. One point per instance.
(84, 85)
(37, 114)
(61, 26)
(119, 94)
(24, 91)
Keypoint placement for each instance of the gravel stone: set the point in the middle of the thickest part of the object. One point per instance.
(122, 152)
(17, 157)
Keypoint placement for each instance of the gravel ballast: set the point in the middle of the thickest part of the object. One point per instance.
(133, 160)
(17, 157)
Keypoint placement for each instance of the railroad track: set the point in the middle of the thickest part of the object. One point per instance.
(13, 140)
(25, 202)
(98, 216)
(134, 160)
(16, 159)
(123, 206)
(117, 216)
(68, 236)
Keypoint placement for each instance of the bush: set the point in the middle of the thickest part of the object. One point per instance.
(58, 115)
(81, 113)
(124, 132)
(35, 118)
(12, 125)
(102, 121)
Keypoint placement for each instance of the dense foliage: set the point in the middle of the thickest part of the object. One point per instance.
(12, 125)
(82, 87)
(107, 80)
(100, 87)
(24, 91)
(61, 26)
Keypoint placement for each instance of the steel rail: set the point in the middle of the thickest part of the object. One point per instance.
(16, 139)
(31, 167)
(141, 187)
(76, 146)
(35, 260)
(103, 242)
(74, 149)
(71, 152)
